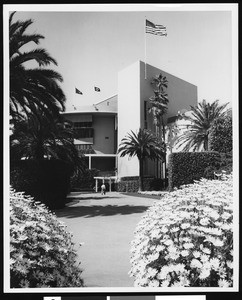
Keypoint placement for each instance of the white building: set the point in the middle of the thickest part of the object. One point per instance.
(101, 127)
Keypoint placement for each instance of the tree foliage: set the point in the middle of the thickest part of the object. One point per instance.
(204, 115)
(143, 145)
(32, 89)
(39, 138)
(159, 103)
(221, 137)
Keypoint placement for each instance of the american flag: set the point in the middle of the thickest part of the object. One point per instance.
(155, 29)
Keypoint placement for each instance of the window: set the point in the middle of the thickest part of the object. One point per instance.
(82, 124)
(83, 132)
(83, 129)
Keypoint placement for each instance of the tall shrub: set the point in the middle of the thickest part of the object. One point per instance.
(84, 179)
(48, 181)
(221, 136)
(185, 167)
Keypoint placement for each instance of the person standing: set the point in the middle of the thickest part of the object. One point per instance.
(103, 189)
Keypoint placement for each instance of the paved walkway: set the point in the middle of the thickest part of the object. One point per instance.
(105, 225)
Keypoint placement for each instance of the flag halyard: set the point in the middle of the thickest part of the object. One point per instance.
(155, 29)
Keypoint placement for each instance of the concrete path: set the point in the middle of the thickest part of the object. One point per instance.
(105, 225)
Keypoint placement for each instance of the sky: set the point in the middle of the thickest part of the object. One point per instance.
(91, 47)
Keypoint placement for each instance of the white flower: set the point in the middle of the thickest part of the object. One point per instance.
(168, 242)
(172, 249)
(223, 283)
(218, 243)
(195, 263)
(165, 283)
(184, 253)
(226, 226)
(188, 245)
(185, 225)
(229, 264)
(226, 215)
(154, 283)
(160, 248)
(214, 262)
(187, 239)
(155, 233)
(204, 221)
(214, 215)
(177, 284)
(163, 272)
(174, 229)
(196, 254)
(204, 273)
(173, 255)
(204, 258)
(184, 281)
(179, 268)
(215, 231)
(206, 250)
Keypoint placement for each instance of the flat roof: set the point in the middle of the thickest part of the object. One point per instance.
(106, 106)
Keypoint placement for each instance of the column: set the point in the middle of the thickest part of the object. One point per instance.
(110, 182)
(96, 185)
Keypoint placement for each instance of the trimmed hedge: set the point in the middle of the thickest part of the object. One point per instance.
(131, 184)
(84, 180)
(47, 181)
(185, 167)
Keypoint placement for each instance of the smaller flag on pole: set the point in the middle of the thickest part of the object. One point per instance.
(155, 29)
(78, 92)
(97, 89)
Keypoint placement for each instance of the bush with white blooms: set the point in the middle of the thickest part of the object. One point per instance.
(186, 239)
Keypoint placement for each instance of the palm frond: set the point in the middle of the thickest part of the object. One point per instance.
(41, 56)
(143, 144)
(202, 119)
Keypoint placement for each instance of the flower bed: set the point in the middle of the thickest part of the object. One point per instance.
(186, 239)
(41, 250)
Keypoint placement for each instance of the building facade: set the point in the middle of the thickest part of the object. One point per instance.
(134, 91)
(96, 134)
(101, 127)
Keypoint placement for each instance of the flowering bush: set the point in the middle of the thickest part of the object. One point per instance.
(152, 193)
(41, 250)
(186, 238)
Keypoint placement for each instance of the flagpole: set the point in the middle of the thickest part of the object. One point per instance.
(145, 46)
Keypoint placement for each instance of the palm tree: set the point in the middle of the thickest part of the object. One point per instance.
(159, 103)
(38, 138)
(158, 107)
(143, 145)
(32, 89)
(196, 137)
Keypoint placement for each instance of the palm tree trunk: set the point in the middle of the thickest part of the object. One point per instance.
(39, 152)
(163, 135)
(141, 175)
(205, 144)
